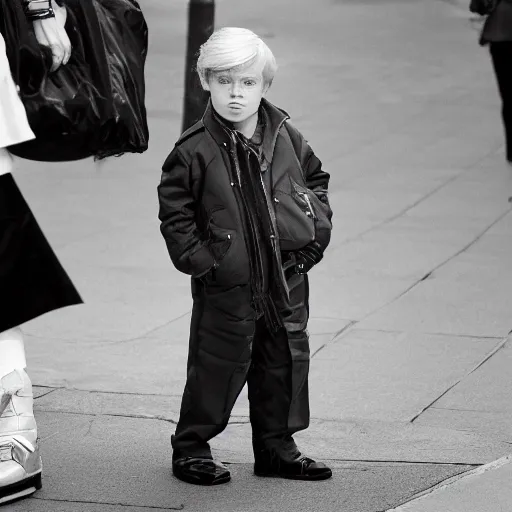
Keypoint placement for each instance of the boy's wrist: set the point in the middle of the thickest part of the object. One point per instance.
(204, 273)
(213, 265)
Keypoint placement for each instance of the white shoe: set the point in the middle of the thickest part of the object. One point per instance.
(20, 462)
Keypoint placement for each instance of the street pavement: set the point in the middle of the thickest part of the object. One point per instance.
(484, 488)
(410, 310)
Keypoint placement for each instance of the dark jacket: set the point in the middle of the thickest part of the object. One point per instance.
(498, 25)
(200, 212)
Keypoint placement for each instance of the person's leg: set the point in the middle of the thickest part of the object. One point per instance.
(221, 333)
(278, 378)
(32, 282)
(20, 462)
(501, 54)
(278, 392)
(270, 385)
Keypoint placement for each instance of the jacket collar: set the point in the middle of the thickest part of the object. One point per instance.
(274, 118)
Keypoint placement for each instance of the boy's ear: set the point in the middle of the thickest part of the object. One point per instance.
(266, 87)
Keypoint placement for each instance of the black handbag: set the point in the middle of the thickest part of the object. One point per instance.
(94, 105)
(483, 7)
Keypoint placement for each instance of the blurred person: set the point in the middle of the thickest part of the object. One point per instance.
(32, 281)
(82, 101)
(244, 210)
(497, 33)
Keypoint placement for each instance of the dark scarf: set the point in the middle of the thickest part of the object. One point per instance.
(249, 156)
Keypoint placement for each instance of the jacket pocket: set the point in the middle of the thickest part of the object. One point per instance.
(295, 216)
(220, 242)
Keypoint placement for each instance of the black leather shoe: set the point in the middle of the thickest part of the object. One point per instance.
(270, 463)
(194, 470)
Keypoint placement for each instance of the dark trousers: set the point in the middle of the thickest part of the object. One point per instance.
(501, 54)
(228, 347)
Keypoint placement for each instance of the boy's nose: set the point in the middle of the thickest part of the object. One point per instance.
(236, 90)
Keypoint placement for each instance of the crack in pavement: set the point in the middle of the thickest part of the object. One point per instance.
(115, 342)
(444, 334)
(155, 329)
(52, 390)
(461, 409)
(493, 352)
(383, 462)
(103, 392)
(131, 416)
(90, 427)
(112, 504)
(334, 336)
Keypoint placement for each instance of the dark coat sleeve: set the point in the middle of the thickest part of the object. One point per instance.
(177, 215)
(316, 180)
(498, 25)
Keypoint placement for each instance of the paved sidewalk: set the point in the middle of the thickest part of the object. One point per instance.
(410, 316)
(486, 489)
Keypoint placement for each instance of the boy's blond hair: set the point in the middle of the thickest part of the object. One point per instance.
(232, 48)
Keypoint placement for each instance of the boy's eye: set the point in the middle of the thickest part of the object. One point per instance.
(223, 80)
(250, 83)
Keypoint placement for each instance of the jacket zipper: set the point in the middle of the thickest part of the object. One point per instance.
(310, 206)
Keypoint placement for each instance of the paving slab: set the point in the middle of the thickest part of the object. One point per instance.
(351, 296)
(447, 303)
(486, 489)
(451, 202)
(120, 304)
(494, 422)
(481, 402)
(153, 364)
(96, 403)
(488, 260)
(402, 252)
(389, 375)
(458, 308)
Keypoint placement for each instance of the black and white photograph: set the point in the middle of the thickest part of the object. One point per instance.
(255, 255)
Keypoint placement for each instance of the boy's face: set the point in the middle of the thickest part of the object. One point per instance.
(236, 94)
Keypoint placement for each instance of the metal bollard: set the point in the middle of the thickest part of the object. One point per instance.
(201, 15)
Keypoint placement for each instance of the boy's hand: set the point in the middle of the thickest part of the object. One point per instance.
(308, 257)
(209, 275)
(50, 32)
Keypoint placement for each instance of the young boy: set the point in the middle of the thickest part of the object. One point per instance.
(244, 211)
